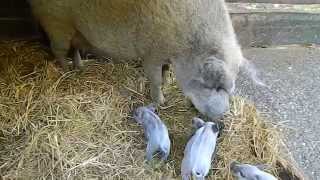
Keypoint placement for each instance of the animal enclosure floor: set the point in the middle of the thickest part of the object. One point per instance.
(293, 74)
(78, 125)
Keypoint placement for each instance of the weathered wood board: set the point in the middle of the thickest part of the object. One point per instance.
(256, 24)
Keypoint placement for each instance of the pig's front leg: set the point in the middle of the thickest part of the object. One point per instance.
(185, 176)
(200, 178)
(164, 154)
(60, 48)
(154, 73)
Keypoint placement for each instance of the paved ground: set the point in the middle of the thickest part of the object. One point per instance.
(293, 99)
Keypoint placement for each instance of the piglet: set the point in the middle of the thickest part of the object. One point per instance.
(156, 132)
(199, 150)
(249, 172)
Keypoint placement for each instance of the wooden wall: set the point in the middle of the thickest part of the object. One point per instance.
(16, 20)
(279, 1)
(268, 26)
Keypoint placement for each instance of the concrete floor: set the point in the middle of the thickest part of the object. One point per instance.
(293, 100)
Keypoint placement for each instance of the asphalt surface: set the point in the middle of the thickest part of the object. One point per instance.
(293, 99)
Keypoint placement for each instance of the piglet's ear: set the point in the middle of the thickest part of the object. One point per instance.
(197, 84)
(221, 125)
(215, 128)
(263, 167)
(152, 107)
(197, 122)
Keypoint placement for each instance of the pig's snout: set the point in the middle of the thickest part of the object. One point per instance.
(217, 104)
(233, 167)
(198, 175)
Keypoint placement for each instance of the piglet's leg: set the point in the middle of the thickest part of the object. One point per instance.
(200, 178)
(150, 151)
(164, 154)
(185, 177)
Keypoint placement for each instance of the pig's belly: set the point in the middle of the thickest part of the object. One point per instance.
(118, 43)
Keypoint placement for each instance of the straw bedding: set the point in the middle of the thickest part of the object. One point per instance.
(78, 125)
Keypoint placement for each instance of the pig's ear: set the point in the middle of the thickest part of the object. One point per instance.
(215, 128)
(251, 71)
(263, 167)
(197, 122)
(152, 107)
(221, 125)
(196, 84)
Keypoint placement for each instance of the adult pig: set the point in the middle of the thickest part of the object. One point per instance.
(185, 33)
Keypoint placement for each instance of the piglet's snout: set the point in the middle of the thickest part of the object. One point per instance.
(198, 175)
(233, 166)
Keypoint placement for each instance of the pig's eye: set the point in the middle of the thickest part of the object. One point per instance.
(220, 88)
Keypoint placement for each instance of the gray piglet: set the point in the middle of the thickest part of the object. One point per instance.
(199, 150)
(156, 132)
(249, 172)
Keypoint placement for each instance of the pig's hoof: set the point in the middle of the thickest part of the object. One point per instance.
(64, 69)
(157, 96)
(62, 65)
(159, 99)
(79, 69)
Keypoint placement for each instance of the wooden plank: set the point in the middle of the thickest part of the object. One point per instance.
(255, 24)
(16, 28)
(278, 1)
(273, 8)
(14, 4)
(264, 25)
(15, 12)
(16, 19)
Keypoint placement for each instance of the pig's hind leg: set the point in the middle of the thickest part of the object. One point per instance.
(164, 153)
(151, 149)
(185, 177)
(77, 64)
